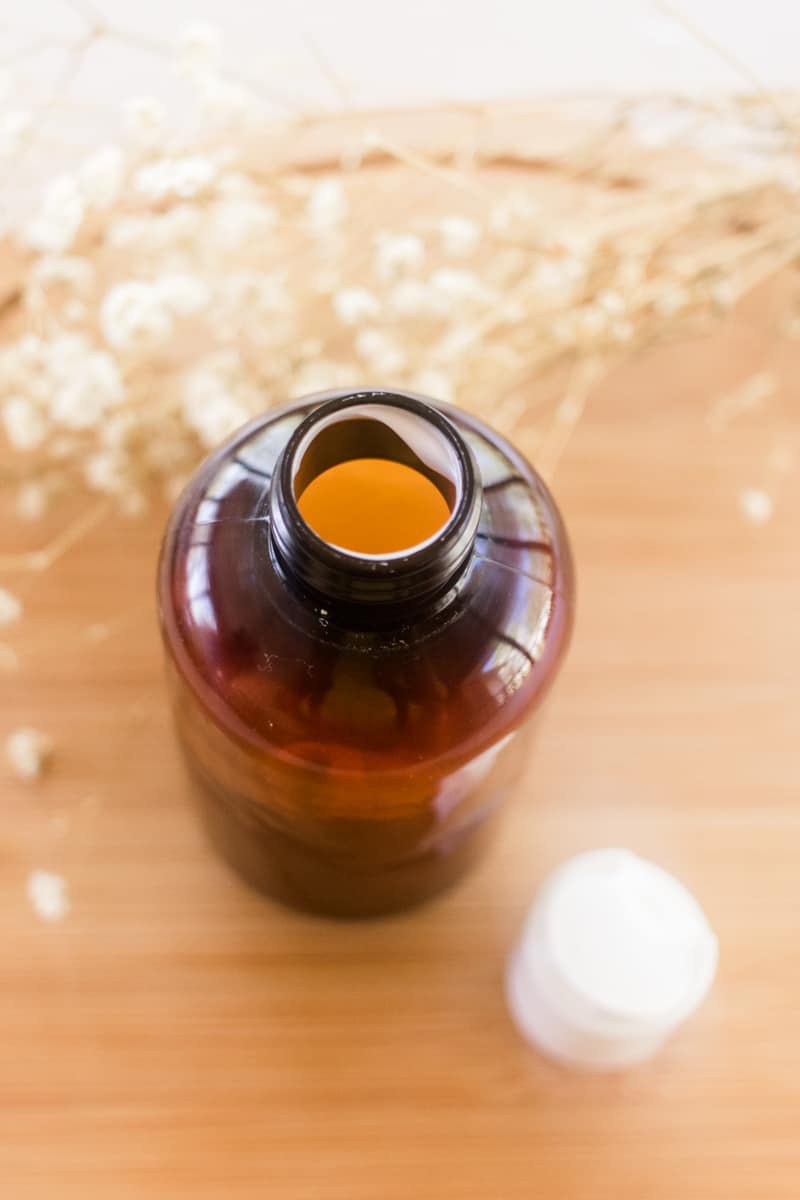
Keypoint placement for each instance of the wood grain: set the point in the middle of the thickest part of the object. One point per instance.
(178, 1036)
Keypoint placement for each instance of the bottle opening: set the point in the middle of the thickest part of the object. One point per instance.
(374, 505)
(376, 481)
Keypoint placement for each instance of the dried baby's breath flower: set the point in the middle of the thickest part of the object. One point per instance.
(237, 222)
(75, 312)
(756, 505)
(31, 500)
(15, 128)
(47, 894)
(431, 382)
(157, 234)
(517, 209)
(671, 300)
(184, 177)
(233, 184)
(380, 351)
(558, 278)
(454, 345)
(630, 273)
(512, 311)
(322, 374)
(353, 305)
(460, 235)
(29, 752)
(130, 232)
(611, 303)
(134, 317)
(10, 607)
(100, 177)
(260, 292)
(124, 370)
(21, 357)
(60, 216)
(326, 206)
(213, 416)
(52, 270)
(85, 383)
(396, 253)
(254, 307)
(217, 398)
(25, 424)
(226, 104)
(455, 287)
(593, 322)
(622, 330)
(107, 471)
(722, 294)
(414, 298)
(183, 294)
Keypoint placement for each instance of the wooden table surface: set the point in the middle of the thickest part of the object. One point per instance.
(178, 1036)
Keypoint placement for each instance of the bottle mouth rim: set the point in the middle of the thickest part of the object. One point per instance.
(433, 452)
(339, 573)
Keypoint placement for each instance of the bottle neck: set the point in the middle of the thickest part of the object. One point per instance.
(383, 425)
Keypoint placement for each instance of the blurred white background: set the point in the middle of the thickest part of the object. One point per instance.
(413, 52)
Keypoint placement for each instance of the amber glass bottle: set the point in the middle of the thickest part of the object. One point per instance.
(354, 720)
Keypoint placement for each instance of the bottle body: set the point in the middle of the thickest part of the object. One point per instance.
(354, 766)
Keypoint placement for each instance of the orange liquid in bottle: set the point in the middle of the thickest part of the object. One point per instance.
(373, 506)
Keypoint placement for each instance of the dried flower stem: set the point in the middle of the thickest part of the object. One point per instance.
(46, 556)
(724, 53)
(567, 416)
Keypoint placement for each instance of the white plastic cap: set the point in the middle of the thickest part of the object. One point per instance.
(615, 954)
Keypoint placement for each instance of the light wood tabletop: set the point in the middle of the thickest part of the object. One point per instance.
(176, 1035)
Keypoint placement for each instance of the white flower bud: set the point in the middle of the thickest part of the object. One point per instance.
(90, 388)
(185, 177)
(59, 217)
(26, 426)
(133, 317)
(107, 472)
(353, 305)
(14, 129)
(237, 222)
(398, 252)
(460, 235)
(326, 206)
(756, 505)
(31, 500)
(458, 287)
(47, 894)
(10, 607)
(380, 351)
(436, 384)
(29, 752)
(183, 294)
(101, 177)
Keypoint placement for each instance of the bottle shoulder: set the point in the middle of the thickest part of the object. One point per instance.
(277, 667)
